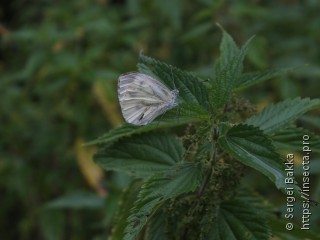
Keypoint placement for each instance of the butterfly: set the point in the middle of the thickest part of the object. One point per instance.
(143, 98)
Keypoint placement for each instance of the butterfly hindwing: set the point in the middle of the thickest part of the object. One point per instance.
(143, 98)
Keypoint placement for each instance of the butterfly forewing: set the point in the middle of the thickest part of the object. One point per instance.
(143, 98)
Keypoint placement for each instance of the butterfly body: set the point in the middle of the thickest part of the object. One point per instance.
(143, 98)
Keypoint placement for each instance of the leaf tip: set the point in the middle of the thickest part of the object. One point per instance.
(219, 25)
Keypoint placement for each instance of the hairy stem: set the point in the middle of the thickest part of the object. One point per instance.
(212, 162)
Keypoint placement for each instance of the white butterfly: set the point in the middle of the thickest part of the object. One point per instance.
(143, 98)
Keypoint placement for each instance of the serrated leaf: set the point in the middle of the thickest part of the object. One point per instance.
(314, 121)
(127, 130)
(141, 155)
(190, 111)
(251, 147)
(251, 78)
(277, 116)
(180, 179)
(243, 217)
(314, 169)
(127, 201)
(228, 49)
(292, 138)
(278, 227)
(191, 89)
(185, 113)
(156, 229)
(227, 74)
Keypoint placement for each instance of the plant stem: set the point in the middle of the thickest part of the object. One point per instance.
(212, 162)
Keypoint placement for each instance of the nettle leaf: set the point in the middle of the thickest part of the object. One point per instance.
(191, 89)
(277, 116)
(313, 121)
(128, 197)
(243, 217)
(156, 229)
(190, 111)
(79, 200)
(228, 49)
(185, 113)
(251, 78)
(278, 227)
(141, 155)
(251, 147)
(180, 179)
(127, 130)
(228, 70)
(292, 138)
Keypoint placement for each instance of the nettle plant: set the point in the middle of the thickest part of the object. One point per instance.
(189, 186)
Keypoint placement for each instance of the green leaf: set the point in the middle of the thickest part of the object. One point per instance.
(180, 179)
(277, 116)
(185, 113)
(314, 168)
(141, 155)
(52, 224)
(292, 139)
(126, 204)
(156, 229)
(251, 78)
(191, 89)
(228, 49)
(314, 121)
(228, 70)
(243, 217)
(77, 201)
(127, 130)
(278, 227)
(251, 147)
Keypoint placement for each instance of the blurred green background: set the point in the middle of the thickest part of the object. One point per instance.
(59, 65)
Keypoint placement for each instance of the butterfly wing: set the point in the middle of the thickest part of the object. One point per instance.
(142, 98)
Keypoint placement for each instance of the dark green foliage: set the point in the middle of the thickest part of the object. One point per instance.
(251, 147)
(59, 65)
(243, 217)
(291, 137)
(188, 192)
(142, 155)
(127, 130)
(279, 115)
(228, 69)
(180, 179)
(157, 227)
(251, 78)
